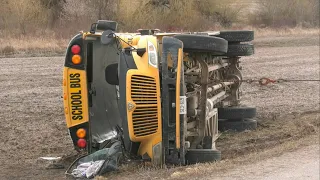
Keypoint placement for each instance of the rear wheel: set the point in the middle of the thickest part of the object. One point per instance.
(237, 36)
(239, 125)
(194, 156)
(200, 43)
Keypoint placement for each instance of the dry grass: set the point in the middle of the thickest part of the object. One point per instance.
(273, 138)
(298, 31)
(201, 170)
(40, 45)
(271, 133)
(206, 170)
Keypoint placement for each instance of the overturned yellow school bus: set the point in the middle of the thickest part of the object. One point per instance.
(157, 93)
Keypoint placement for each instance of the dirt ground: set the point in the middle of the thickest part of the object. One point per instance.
(304, 162)
(32, 121)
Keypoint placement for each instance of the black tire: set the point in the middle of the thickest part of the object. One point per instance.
(237, 112)
(199, 43)
(239, 126)
(237, 36)
(240, 50)
(194, 156)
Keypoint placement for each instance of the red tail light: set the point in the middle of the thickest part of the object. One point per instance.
(82, 143)
(75, 49)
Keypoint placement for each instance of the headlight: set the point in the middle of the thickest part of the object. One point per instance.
(152, 55)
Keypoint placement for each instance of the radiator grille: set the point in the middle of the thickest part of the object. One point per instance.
(144, 95)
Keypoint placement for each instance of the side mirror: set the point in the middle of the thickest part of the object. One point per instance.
(103, 25)
(111, 74)
(107, 37)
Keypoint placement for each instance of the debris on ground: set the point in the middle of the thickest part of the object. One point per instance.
(97, 163)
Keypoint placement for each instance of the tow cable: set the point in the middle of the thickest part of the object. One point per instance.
(265, 81)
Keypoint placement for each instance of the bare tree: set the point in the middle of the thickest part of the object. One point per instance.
(104, 9)
(54, 9)
(4, 15)
(24, 12)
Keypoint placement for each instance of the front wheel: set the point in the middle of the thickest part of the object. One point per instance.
(194, 156)
(237, 125)
(237, 112)
(240, 50)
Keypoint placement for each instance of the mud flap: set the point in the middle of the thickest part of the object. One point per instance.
(173, 111)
